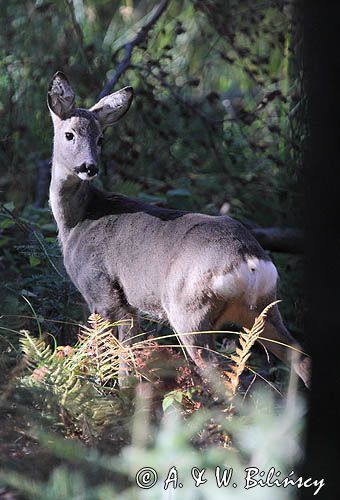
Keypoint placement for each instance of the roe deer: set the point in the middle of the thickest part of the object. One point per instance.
(195, 271)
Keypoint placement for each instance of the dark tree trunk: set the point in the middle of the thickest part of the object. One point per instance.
(321, 65)
(42, 183)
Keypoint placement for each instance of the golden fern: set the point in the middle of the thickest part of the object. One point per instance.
(99, 351)
(247, 339)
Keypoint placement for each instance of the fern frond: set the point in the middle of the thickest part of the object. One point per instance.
(101, 350)
(247, 339)
(69, 379)
(35, 351)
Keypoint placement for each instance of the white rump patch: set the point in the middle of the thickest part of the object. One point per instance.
(254, 279)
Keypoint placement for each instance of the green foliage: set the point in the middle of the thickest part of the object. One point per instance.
(263, 434)
(70, 379)
(33, 275)
(173, 397)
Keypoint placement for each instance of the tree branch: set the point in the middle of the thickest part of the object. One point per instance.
(129, 46)
(278, 239)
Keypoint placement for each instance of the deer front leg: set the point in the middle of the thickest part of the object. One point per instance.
(126, 334)
(114, 311)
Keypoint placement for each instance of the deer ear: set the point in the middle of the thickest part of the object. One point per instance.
(113, 107)
(60, 96)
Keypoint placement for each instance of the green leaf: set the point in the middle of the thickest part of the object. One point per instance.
(9, 206)
(179, 396)
(50, 239)
(34, 261)
(167, 402)
(4, 224)
(3, 241)
(178, 192)
(50, 227)
(171, 398)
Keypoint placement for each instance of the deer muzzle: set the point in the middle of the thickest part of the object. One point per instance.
(87, 172)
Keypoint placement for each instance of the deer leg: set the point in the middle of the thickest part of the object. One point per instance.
(198, 346)
(279, 340)
(114, 311)
(276, 331)
(126, 332)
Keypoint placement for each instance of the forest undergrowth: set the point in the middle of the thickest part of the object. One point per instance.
(70, 431)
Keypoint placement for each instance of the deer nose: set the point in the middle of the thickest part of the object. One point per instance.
(90, 169)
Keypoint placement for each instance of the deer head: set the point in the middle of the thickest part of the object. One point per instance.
(78, 133)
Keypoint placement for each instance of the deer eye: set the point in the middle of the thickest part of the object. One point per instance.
(69, 136)
(100, 141)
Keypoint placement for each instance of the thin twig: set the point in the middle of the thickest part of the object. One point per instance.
(129, 46)
(79, 32)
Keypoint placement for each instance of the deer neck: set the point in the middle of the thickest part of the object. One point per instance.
(69, 197)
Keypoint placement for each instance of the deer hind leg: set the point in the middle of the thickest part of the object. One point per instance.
(275, 330)
(279, 340)
(185, 323)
